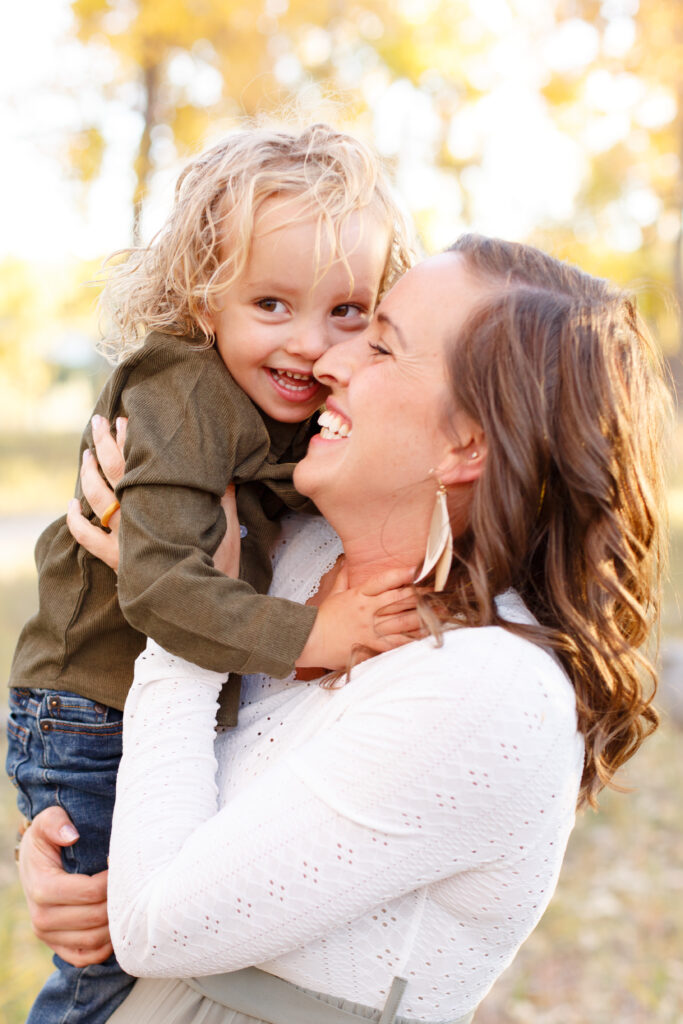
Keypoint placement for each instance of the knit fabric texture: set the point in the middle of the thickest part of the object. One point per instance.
(412, 822)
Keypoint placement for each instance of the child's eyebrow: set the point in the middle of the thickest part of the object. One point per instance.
(268, 284)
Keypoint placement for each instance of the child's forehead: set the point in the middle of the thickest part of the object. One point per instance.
(277, 212)
(282, 221)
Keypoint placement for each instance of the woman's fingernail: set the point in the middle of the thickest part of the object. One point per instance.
(119, 424)
(87, 454)
(68, 833)
(96, 421)
(74, 504)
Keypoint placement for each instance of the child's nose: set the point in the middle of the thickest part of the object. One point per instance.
(308, 341)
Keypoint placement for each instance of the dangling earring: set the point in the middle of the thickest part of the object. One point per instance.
(439, 543)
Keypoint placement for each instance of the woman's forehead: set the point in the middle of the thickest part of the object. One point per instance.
(438, 294)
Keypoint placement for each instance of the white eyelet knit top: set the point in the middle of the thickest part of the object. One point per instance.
(411, 823)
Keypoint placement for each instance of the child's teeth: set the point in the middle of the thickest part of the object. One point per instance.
(294, 381)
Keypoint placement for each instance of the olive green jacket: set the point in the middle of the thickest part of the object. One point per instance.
(191, 431)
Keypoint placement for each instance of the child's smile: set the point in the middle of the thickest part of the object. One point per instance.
(294, 387)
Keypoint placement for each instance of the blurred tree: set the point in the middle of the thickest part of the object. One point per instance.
(45, 318)
(182, 65)
(167, 58)
(626, 105)
(185, 66)
(23, 305)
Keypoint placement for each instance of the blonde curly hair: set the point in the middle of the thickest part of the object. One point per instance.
(171, 284)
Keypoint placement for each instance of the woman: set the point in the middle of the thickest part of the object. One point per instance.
(411, 824)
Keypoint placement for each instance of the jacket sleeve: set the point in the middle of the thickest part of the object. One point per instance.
(187, 434)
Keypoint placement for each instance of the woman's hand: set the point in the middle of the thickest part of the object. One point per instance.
(103, 545)
(100, 496)
(68, 912)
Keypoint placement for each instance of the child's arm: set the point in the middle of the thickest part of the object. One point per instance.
(353, 623)
(368, 619)
(105, 545)
(348, 620)
(192, 431)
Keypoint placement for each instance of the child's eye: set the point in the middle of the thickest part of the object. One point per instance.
(347, 310)
(271, 305)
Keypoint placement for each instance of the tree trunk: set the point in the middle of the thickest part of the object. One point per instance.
(143, 162)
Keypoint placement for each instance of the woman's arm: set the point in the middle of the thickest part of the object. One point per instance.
(413, 780)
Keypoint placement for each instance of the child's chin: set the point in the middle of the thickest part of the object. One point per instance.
(294, 415)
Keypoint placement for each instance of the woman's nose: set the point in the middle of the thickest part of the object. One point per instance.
(336, 365)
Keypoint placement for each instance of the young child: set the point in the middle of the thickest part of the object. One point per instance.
(278, 246)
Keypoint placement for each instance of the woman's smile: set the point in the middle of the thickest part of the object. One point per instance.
(334, 426)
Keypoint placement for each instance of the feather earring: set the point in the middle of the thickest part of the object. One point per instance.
(439, 552)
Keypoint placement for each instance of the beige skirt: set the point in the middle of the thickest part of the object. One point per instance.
(169, 1001)
(162, 1001)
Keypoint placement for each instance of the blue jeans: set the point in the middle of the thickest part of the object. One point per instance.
(64, 749)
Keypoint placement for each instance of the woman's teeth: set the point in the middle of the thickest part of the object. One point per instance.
(333, 426)
(293, 381)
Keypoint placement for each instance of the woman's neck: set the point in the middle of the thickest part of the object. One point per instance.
(375, 542)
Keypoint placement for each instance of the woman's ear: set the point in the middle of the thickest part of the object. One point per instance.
(463, 463)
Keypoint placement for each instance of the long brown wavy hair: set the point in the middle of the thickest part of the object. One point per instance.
(558, 369)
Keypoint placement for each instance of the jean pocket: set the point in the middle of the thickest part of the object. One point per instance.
(81, 742)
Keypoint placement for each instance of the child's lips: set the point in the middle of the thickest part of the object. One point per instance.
(294, 385)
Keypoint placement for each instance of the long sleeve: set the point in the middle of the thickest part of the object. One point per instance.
(191, 432)
(431, 764)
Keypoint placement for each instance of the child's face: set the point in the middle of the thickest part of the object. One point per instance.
(273, 322)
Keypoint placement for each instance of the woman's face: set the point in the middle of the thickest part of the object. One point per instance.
(384, 429)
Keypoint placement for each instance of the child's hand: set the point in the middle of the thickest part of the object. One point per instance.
(68, 912)
(100, 497)
(374, 617)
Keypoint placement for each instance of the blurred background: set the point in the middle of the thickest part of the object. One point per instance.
(558, 122)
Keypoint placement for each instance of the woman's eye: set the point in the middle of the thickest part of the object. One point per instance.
(271, 305)
(378, 349)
